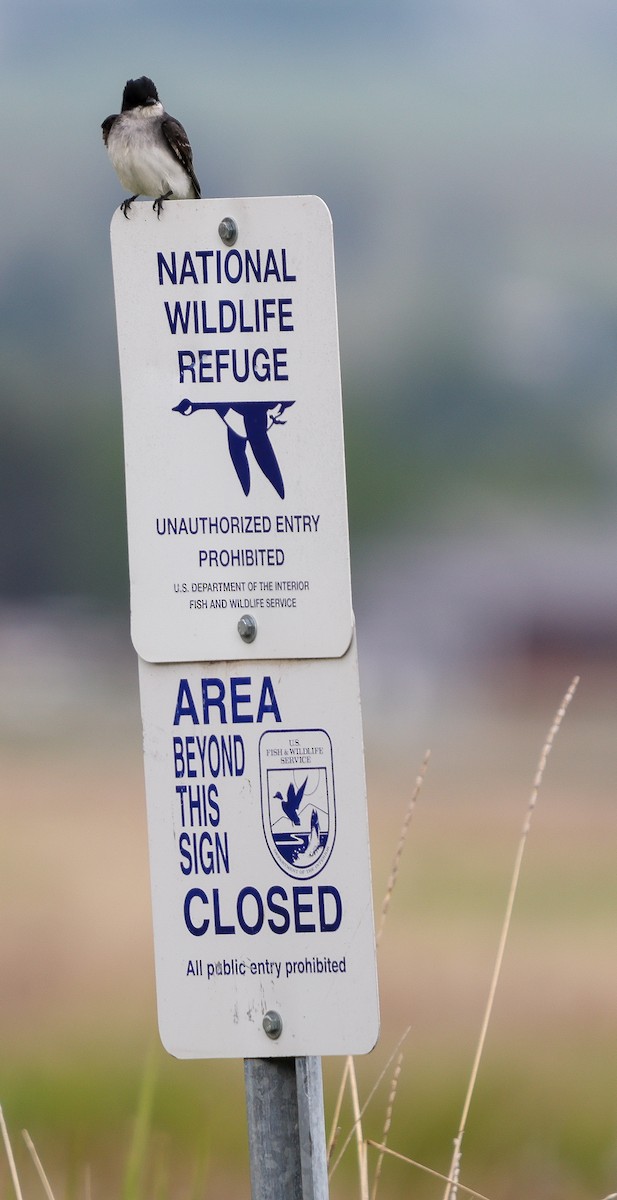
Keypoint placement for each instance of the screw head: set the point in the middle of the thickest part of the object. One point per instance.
(247, 628)
(228, 231)
(273, 1024)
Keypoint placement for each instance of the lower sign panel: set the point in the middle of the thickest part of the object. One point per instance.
(259, 854)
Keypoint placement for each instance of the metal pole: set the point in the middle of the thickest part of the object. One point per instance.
(287, 1139)
(312, 1128)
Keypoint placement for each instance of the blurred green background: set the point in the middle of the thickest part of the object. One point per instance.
(467, 151)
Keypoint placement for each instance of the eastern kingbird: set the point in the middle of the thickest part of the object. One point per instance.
(149, 150)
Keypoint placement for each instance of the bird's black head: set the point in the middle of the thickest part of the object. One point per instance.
(138, 92)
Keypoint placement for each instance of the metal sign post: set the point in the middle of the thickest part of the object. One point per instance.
(242, 620)
(287, 1140)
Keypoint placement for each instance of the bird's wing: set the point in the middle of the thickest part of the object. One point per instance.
(178, 141)
(237, 450)
(106, 126)
(300, 792)
(295, 797)
(256, 421)
(292, 798)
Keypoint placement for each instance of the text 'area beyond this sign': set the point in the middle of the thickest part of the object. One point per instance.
(261, 886)
(235, 476)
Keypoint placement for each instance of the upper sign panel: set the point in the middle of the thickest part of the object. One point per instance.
(235, 474)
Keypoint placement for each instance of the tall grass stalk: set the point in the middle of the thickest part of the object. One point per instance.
(360, 1142)
(388, 1121)
(427, 1170)
(398, 853)
(133, 1176)
(453, 1184)
(38, 1164)
(335, 1127)
(9, 1155)
(368, 1098)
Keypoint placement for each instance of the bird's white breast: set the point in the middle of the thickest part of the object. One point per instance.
(144, 163)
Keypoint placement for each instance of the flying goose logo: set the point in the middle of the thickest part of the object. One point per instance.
(248, 426)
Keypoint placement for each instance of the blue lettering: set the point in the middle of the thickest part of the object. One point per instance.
(269, 307)
(218, 927)
(332, 925)
(254, 264)
(188, 270)
(234, 256)
(181, 763)
(238, 698)
(195, 894)
(244, 324)
(244, 924)
(267, 701)
(164, 265)
(286, 324)
(204, 255)
(185, 706)
(180, 314)
(278, 910)
(279, 360)
(216, 701)
(226, 326)
(240, 378)
(222, 361)
(178, 757)
(323, 904)
(271, 267)
(204, 320)
(205, 365)
(263, 374)
(287, 277)
(302, 908)
(186, 365)
(213, 700)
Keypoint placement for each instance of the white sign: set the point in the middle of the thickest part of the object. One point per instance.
(235, 473)
(260, 869)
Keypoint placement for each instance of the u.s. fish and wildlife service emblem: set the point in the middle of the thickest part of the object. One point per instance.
(297, 799)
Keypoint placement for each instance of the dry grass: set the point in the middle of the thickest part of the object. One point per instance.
(454, 1173)
(452, 1179)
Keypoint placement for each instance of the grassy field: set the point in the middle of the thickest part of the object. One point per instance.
(77, 1005)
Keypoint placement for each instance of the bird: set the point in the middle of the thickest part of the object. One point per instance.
(247, 423)
(291, 805)
(149, 150)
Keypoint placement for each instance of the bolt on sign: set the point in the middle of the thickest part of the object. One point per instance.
(241, 616)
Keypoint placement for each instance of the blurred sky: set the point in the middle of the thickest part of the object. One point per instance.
(467, 151)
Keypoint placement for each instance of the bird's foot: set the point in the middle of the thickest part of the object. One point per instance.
(158, 203)
(126, 204)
